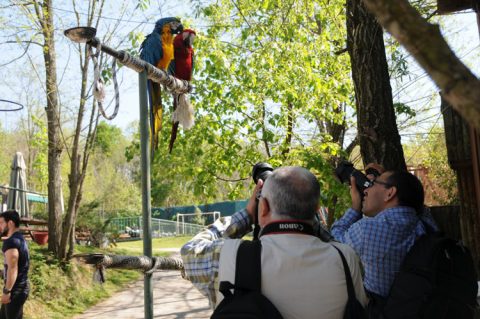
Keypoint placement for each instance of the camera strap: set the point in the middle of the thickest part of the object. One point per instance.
(288, 227)
(256, 228)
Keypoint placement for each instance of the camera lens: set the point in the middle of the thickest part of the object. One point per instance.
(261, 171)
(345, 170)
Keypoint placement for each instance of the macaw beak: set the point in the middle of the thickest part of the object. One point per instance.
(176, 27)
(188, 38)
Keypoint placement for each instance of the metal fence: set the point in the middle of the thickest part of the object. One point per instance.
(160, 227)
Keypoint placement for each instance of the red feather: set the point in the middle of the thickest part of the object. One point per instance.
(183, 57)
(183, 53)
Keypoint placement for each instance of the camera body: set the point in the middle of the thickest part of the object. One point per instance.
(345, 169)
(261, 171)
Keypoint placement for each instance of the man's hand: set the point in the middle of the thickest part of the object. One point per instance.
(355, 194)
(6, 298)
(253, 202)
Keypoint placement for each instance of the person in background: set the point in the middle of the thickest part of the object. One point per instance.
(16, 265)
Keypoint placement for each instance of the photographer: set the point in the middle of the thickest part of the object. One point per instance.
(393, 205)
(301, 275)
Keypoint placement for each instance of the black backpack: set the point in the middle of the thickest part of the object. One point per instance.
(247, 301)
(436, 280)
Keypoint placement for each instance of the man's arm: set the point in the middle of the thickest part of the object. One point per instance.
(242, 221)
(11, 258)
(346, 230)
(350, 230)
(201, 255)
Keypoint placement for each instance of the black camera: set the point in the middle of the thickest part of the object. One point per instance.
(261, 171)
(345, 169)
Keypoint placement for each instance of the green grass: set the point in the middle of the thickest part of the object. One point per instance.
(158, 246)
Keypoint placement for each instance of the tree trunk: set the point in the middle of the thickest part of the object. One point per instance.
(78, 167)
(377, 128)
(459, 86)
(463, 148)
(79, 156)
(264, 137)
(288, 136)
(45, 17)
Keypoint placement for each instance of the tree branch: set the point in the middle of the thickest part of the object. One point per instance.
(459, 86)
(350, 146)
(24, 52)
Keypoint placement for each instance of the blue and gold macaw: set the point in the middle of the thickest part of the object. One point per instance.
(157, 49)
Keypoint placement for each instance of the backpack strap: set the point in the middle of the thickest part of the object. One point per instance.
(428, 228)
(348, 276)
(248, 269)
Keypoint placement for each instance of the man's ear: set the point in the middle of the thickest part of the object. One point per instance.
(265, 207)
(392, 193)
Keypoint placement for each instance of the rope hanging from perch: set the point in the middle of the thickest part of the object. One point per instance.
(99, 87)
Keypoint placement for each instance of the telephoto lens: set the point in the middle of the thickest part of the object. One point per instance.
(343, 172)
(261, 171)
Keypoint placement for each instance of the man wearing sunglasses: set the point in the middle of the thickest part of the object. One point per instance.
(392, 217)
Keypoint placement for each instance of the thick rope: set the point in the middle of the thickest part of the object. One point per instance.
(99, 88)
(142, 263)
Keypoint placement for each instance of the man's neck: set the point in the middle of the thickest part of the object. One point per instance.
(12, 231)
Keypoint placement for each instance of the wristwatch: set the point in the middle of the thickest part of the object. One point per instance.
(6, 291)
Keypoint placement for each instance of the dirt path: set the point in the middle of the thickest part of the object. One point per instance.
(173, 298)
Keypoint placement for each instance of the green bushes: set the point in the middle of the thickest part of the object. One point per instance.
(62, 290)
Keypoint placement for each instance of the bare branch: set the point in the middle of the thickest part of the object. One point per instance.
(351, 146)
(21, 56)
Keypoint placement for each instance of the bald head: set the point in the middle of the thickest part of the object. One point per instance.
(292, 192)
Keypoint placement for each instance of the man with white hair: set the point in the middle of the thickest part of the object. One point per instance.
(301, 275)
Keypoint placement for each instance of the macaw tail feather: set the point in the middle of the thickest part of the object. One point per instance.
(173, 137)
(155, 115)
(184, 113)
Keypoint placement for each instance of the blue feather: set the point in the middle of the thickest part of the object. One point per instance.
(161, 22)
(151, 49)
(171, 68)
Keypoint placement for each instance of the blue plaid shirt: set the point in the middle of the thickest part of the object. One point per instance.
(381, 242)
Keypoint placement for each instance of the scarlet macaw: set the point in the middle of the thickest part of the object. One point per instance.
(182, 68)
(157, 49)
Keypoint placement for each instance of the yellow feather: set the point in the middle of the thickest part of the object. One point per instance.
(156, 113)
(167, 46)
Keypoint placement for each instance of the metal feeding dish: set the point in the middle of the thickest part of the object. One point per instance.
(80, 34)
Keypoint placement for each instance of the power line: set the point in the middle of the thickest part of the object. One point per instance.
(133, 21)
(103, 17)
(430, 132)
